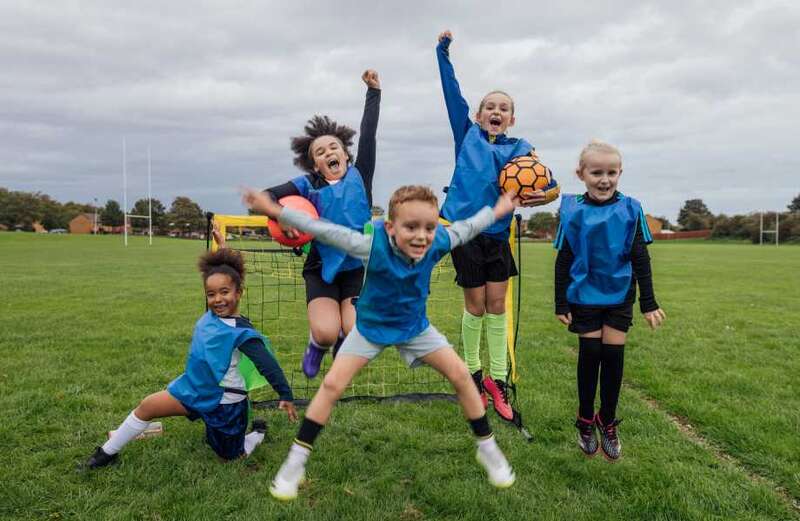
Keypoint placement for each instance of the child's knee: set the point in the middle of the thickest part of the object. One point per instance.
(496, 305)
(144, 411)
(456, 372)
(332, 387)
(476, 309)
(324, 334)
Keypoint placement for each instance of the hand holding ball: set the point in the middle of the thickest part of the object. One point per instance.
(295, 202)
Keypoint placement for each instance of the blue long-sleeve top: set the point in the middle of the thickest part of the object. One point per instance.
(457, 107)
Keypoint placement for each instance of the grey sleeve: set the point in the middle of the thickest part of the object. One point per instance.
(461, 232)
(353, 243)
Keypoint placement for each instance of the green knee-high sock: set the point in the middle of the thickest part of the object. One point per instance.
(497, 338)
(471, 327)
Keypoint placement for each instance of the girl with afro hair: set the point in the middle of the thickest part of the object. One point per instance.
(341, 191)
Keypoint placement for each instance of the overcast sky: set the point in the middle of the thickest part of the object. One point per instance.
(703, 98)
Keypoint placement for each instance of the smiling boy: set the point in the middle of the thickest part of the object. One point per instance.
(399, 257)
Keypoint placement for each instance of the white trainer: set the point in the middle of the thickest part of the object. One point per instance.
(489, 455)
(288, 479)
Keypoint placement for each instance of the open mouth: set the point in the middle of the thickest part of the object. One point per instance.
(495, 121)
(333, 164)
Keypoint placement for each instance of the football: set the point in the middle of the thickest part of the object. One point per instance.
(524, 175)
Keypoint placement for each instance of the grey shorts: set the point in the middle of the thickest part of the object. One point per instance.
(412, 352)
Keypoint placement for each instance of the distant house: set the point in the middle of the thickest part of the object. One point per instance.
(38, 228)
(113, 229)
(83, 223)
(3, 228)
(654, 224)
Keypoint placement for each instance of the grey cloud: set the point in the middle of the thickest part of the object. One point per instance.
(700, 96)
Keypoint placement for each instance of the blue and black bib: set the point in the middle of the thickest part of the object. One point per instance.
(210, 352)
(601, 237)
(344, 203)
(475, 179)
(392, 307)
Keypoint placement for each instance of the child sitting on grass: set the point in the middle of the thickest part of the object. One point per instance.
(213, 387)
(391, 310)
(602, 254)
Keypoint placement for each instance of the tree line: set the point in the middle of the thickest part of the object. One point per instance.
(19, 210)
(695, 215)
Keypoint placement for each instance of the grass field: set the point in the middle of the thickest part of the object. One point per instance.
(711, 403)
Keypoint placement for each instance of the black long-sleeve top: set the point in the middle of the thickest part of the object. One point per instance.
(640, 260)
(265, 362)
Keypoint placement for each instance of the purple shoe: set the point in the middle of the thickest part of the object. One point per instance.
(312, 359)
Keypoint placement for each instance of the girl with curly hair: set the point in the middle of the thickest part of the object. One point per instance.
(215, 382)
(341, 191)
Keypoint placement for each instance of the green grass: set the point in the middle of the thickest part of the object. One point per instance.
(87, 328)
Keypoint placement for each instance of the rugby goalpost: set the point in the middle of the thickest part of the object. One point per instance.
(775, 231)
(274, 301)
(128, 216)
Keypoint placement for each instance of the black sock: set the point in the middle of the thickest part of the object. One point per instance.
(480, 427)
(610, 380)
(309, 430)
(589, 354)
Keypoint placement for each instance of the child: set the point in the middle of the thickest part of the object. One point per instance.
(213, 387)
(602, 253)
(399, 257)
(484, 265)
(342, 193)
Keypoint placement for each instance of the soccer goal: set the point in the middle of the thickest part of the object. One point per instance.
(274, 300)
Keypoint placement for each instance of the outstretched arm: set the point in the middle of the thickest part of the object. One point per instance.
(353, 243)
(365, 162)
(461, 232)
(457, 107)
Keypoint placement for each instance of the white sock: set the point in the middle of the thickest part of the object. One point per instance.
(251, 441)
(298, 454)
(487, 443)
(130, 428)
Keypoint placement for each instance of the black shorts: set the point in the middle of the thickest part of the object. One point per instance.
(345, 285)
(589, 318)
(483, 260)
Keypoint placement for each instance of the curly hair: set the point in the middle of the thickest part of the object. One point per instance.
(225, 261)
(316, 127)
(408, 193)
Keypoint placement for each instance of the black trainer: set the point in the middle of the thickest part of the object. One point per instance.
(477, 377)
(260, 425)
(587, 439)
(609, 440)
(99, 459)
